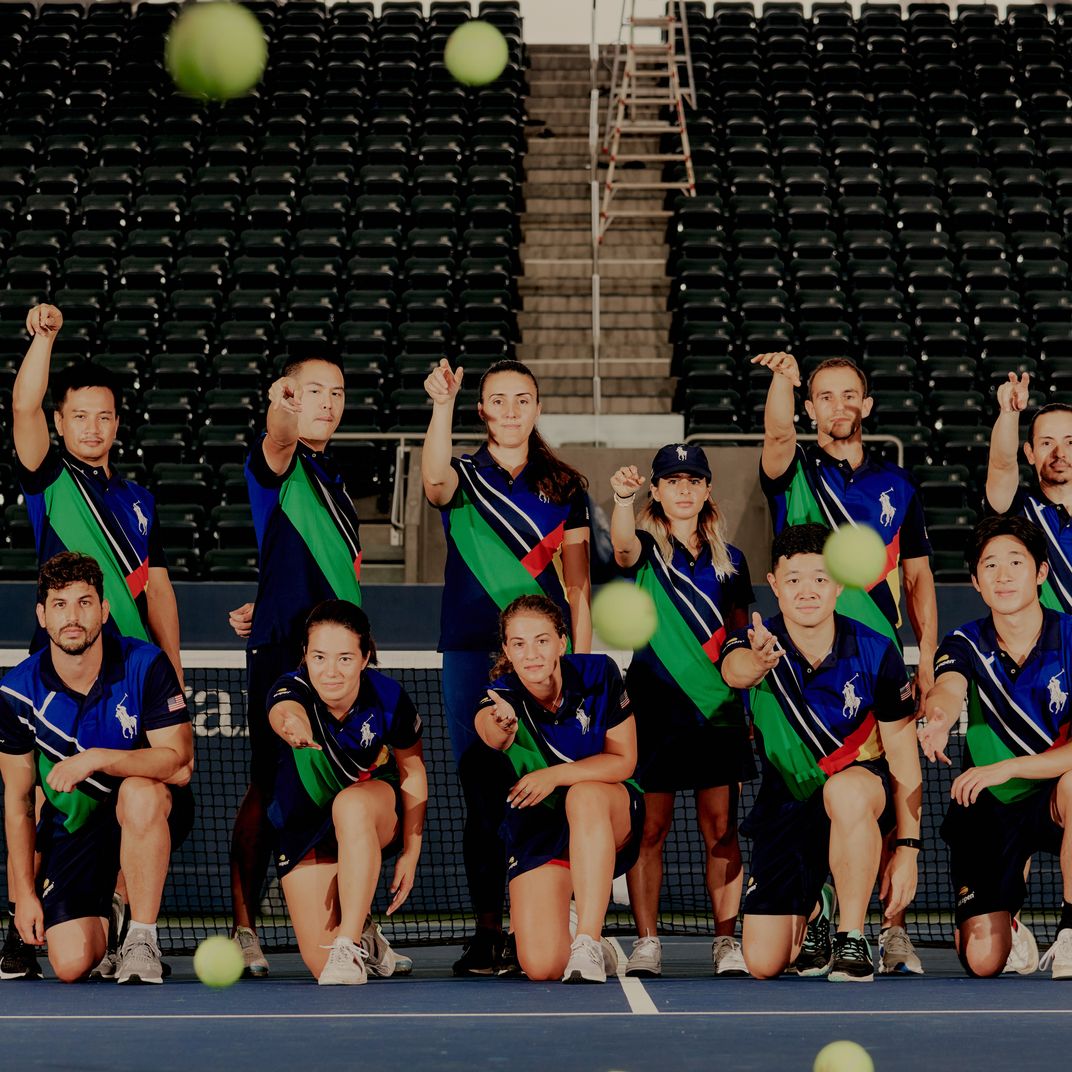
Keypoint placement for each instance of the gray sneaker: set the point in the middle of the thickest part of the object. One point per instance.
(118, 919)
(380, 959)
(256, 963)
(139, 959)
(727, 958)
(1024, 954)
(610, 957)
(896, 954)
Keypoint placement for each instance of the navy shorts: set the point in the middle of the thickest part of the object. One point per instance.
(699, 756)
(310, 829)
(540, 835)
(989, 844)
(78, 870)
(791, 847)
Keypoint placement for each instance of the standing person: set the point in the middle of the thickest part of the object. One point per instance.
(564, 725)
(836, 482)
(691, 731)
(835, 730)
(516, 523)
(307, 535)
(101, 721)
(78, 501)
(351, 789)
(1014, 796)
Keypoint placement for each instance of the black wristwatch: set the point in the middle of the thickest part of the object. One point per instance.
(908, 843)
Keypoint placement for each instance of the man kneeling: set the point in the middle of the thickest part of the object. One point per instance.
(103, 722)
(1014, 797)
(833, 713)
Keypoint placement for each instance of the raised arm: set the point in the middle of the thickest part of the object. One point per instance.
(1002, 471)
(284, 405)
(779, 430)
(29, 423)
(437, 474)
(626, 482)
(19, 834)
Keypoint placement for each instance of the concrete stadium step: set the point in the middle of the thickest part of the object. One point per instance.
(646, 368)
(541, 320)
(610, 351)
(612, 386)
(583, 404)
(572, 302)
(653, 290)
(581, 268)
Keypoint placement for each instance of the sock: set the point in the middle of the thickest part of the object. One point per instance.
(149, 928)
(344, 938)
(1066, 916)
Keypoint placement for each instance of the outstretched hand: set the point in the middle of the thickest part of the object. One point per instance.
(1014, 394)
(626, 481)
(45, 320)
(781, 364)
(442, 384)
(502, 712)
(764, 644)
(286, 393)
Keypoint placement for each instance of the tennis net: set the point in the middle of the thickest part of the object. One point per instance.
(197, 895)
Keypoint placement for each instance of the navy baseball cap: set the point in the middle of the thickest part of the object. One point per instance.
(680, 458)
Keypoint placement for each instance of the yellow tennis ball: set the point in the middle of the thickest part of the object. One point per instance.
(216, 50)
(476, 53)
(855, 556)
(218, 961)
(624, 615)
(843, 1056)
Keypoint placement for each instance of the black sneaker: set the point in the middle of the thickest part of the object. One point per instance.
(481, 954)
(852, 961)
(813, 960)
(508, 962)
(17, 959)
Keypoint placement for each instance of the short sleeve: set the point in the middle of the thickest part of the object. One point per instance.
(915, 543)
(35, 481)
(893, 690)
(157, 557)
(16, 732)
(734, 642)
(1016, 507)
(954, 656)
(405, 727)
(290, 687)
(578, 517)
(619, 707)
(648, 548)
(777, 484)
(257, 466)
(163, 703)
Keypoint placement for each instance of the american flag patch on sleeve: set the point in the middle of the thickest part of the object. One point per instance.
(906, 691)
(176, 703)
(625, 699)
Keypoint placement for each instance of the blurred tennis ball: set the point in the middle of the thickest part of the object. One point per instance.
(476, 53)
(218, 962)
(843, 1056)
(216, 50)
(855, 555)
(624, 615)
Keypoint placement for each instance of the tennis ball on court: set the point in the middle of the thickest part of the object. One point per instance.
(476, 53)
(855, 555)
(218, 961)
(843, 1056)
(624, 615)
(216, 50)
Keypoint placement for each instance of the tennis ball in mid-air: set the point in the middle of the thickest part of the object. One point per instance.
(476, 53)
(624, 615)
(216, 50)
(855, 556)
(843, 1056)
(218, 961)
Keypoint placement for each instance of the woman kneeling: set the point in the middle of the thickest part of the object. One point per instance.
(573, 821)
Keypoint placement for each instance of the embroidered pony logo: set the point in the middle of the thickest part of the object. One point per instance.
(584, 720)
(852, 701)
(682, 454)
(143, 521)
(367, 736)
(1058, 697)
(888, 510)
(127, 722)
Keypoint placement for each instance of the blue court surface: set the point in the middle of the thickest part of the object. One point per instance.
(685, 1020)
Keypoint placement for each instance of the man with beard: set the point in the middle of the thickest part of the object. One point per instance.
(101, 721)
(838, 482)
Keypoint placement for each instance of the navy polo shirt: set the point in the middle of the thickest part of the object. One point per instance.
(1012, 710)
(513, 516)
(292, 581)
(1056, 525)
(818, 487)
(826, 716)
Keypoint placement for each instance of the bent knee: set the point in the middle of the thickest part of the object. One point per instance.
(354, 803)
(585, 797)
(142, 801)
(71, 969)
(542, 968)
(764, 966)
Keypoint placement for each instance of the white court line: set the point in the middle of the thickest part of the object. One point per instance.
(640, 1002)
(714, 1013)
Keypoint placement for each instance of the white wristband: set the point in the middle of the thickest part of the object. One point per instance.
(624, 500)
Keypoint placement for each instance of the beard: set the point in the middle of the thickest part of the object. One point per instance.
(1047, 475)
(72, 646)
(837, 430)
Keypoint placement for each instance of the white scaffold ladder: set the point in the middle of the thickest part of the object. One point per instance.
(647, 98)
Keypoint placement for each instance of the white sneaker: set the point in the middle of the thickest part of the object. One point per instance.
(1059, 956)
(727, 957)
(345, 966)
(586, 962)
(380, 958)
(646, 960)
(896, 954)
(1024, 955)
(256, 963)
